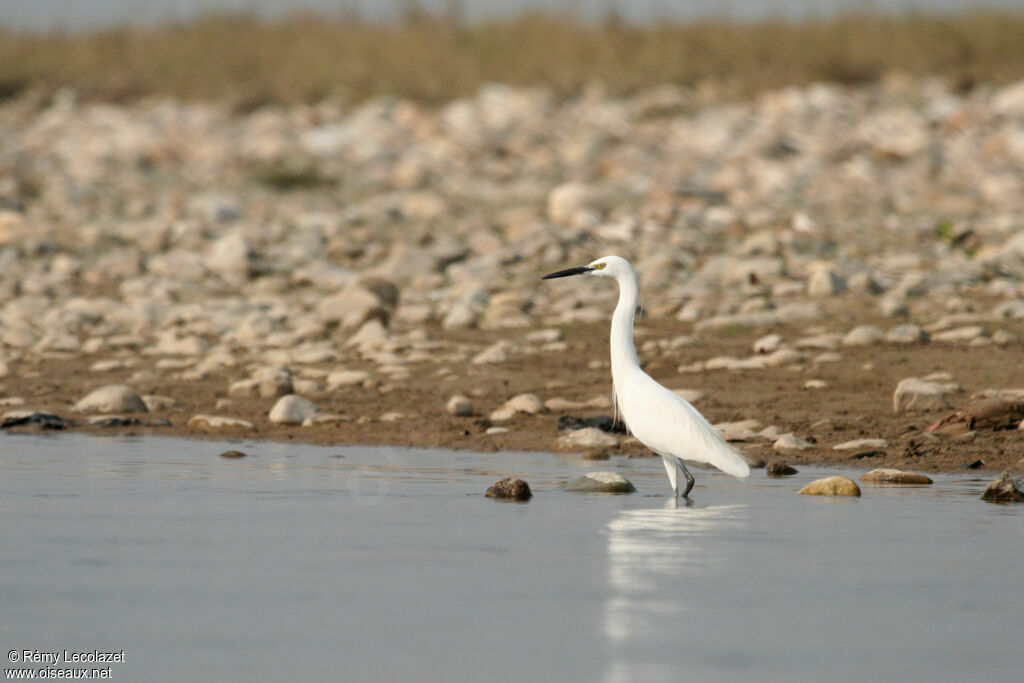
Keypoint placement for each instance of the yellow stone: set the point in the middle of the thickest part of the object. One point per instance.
(831, 486)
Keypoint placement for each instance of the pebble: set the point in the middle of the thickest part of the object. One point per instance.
(831, 486)
(1005, 489)
(325, 419)
(600, 482)
(113, 398)
(960, 334)
(789, 442)
(893, 476)
(864, 335)
(525, 403)
(907, 334)
(459, 406)
(857, 444)
(274, 382)
(825, 282)
(292, 410)
(768, 343)
(585, 439)
(213, 422)
(158, 403)
(509, 488)
(779, 469)
(913, 394)
(743, 430)
(346, 378)
(232, 455)
(496, 353)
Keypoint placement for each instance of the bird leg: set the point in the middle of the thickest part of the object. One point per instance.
(689, 478)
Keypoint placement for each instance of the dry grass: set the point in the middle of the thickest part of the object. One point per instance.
(249, 62)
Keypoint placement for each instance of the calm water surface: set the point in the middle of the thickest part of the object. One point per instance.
(310, 563)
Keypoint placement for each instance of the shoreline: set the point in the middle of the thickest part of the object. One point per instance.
(415, 415)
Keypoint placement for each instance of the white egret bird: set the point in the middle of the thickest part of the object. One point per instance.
(661, 419)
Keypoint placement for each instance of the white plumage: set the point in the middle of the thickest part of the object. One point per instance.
(661, 419)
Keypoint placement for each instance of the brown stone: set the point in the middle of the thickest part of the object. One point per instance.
(892, 476)
(1005, 489)
(510, 488)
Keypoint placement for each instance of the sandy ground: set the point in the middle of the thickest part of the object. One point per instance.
(856, 402)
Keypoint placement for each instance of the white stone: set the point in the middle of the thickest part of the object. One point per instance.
(960, 334)
(206, 422)
(768, 343)
(525, 403)
(825, 282)
(459, 406)
(913, 394)
(157, 403)
(864, 335)
(858, 444)
(582, 439)
(906, 334)
(292, 409)
(790, 442)
(113, 398)
(496, 353)
(346, 378)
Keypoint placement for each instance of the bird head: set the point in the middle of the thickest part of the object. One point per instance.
(607, 266)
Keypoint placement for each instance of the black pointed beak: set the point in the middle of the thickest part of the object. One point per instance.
(579, 270)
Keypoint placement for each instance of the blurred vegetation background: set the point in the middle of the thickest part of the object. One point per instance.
(251, 62)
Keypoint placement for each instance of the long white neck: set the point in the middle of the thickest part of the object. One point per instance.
(623, 351)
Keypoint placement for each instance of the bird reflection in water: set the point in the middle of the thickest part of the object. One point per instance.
(651, 552)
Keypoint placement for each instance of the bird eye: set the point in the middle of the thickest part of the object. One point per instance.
(599, 266)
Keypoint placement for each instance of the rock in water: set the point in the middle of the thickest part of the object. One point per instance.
(601, 482)
(113, 398)
(831, 486)
(233, 454)
(510, 489)
(1005, 489)
(893, 476)
(779, 469)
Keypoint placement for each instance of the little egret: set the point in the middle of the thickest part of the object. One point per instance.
(661, 419)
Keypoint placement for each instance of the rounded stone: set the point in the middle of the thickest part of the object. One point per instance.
(459, 406)
(831, 486)
(600, 482)
(779, 469)
(525, 403)
(1005, 489)
(509, 488)
(292, 410)
(113, 398)
(893, 476)
(585, 439)
(233, 454)
(209, 422)
(790, 442)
